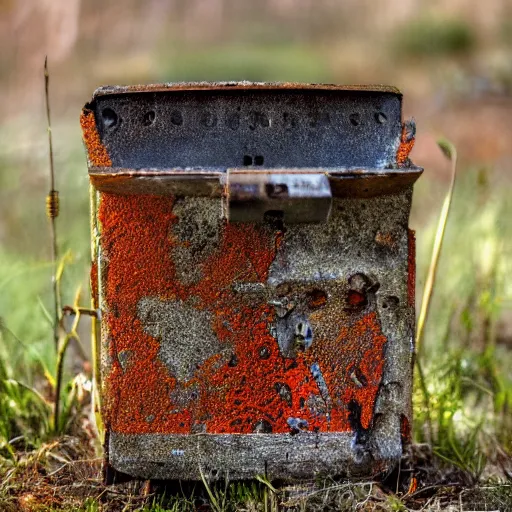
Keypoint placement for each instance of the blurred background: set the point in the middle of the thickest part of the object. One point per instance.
(452, 59)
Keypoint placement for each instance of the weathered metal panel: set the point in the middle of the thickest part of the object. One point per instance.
(221, 128)
(278, 344)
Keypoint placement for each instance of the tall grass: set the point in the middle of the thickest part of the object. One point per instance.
(39, 397)
(463, 397)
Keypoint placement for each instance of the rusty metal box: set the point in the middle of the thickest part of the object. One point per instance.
(254, 271)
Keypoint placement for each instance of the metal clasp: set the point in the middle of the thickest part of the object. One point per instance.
(294, 197)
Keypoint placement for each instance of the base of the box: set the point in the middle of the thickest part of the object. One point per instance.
(244, 456)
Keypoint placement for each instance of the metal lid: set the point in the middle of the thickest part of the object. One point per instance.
(250, 125)
(263, 146)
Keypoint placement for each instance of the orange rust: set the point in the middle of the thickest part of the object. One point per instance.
(352, 366)
(229, 396)
(94, 285)
(386, 239)
(411, 267)
(405, 148)
(237, 397)
(98, 154)
(317, 299)
(405, 429)
(356, 298)
(136, 269)
(98, 181)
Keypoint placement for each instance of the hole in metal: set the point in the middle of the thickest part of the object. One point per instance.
(355, 119)
(209, 120)
(233, 121)
(149, 118)
(176, 118)
(357, 299)
(380, 117)
(317, 298)
(275, 218)
(284, 391)
(109, 118)
(289, 121)
(264, 353)
(262, 427)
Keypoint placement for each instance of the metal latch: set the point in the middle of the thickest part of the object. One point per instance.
(292, 197)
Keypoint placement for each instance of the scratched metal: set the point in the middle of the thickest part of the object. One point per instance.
(256, 284)
(221, 128)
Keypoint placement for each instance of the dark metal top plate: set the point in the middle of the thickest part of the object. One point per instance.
(217, 126)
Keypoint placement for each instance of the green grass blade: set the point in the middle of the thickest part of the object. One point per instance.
(450, 152)
(214, 503)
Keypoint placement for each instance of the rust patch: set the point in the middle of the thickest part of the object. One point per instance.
(98, 154)
(352, 366)
(411, 268)
(406, 143)
(405, 429)
(256, 389)
(94, 285)
(109, 179)
(317, 299)
(385, 239)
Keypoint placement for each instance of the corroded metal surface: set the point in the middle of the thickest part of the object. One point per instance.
(350, 182)
(275, 127)
(278, 344)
